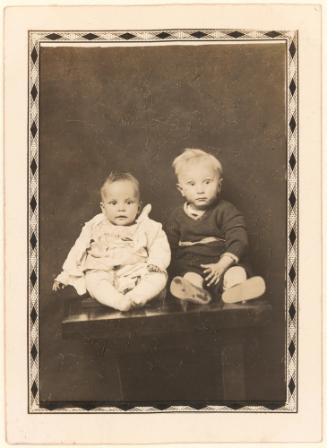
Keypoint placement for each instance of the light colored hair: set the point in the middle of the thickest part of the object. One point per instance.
(118, 176)
(192, 155)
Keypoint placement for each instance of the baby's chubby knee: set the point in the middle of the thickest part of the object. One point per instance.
(233, 276)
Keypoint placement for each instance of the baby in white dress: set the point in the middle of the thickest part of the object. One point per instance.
(121, 255)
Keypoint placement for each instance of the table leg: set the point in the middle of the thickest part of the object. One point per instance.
(232, 359)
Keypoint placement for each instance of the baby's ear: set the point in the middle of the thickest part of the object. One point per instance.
(180, 188)
(101, 206)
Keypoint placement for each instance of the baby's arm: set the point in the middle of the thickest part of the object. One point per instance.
(159, 252)
(233, 226)
(72, 272)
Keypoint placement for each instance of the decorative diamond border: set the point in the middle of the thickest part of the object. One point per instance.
(183, 35)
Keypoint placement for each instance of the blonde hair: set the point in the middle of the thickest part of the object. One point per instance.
(117, 176)
(192, 154)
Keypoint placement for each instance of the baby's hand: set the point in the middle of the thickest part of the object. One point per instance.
(153, 268)
(214, 271)
(57, 286)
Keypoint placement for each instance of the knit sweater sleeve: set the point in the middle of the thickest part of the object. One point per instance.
(233, 226)
(172, 229)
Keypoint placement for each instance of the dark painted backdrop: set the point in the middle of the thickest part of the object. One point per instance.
(135, 109)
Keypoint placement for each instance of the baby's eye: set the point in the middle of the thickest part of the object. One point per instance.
(130, 202)
(207, 181)
(112, 202)
(191, 183)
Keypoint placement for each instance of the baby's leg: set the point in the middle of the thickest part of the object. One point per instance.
(190, 287)
(237, 288)
(148, 287)
(99, 285)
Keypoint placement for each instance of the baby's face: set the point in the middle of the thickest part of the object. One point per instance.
(120, 202)
(199, 183)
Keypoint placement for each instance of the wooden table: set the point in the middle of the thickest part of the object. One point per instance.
(216, 331)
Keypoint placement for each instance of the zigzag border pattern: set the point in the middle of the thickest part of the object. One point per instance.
(61, 37)
(33, 305)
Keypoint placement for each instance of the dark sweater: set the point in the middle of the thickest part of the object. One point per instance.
(222, 221)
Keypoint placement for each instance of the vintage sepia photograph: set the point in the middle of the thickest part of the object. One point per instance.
(163, 209)
(163, 224)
